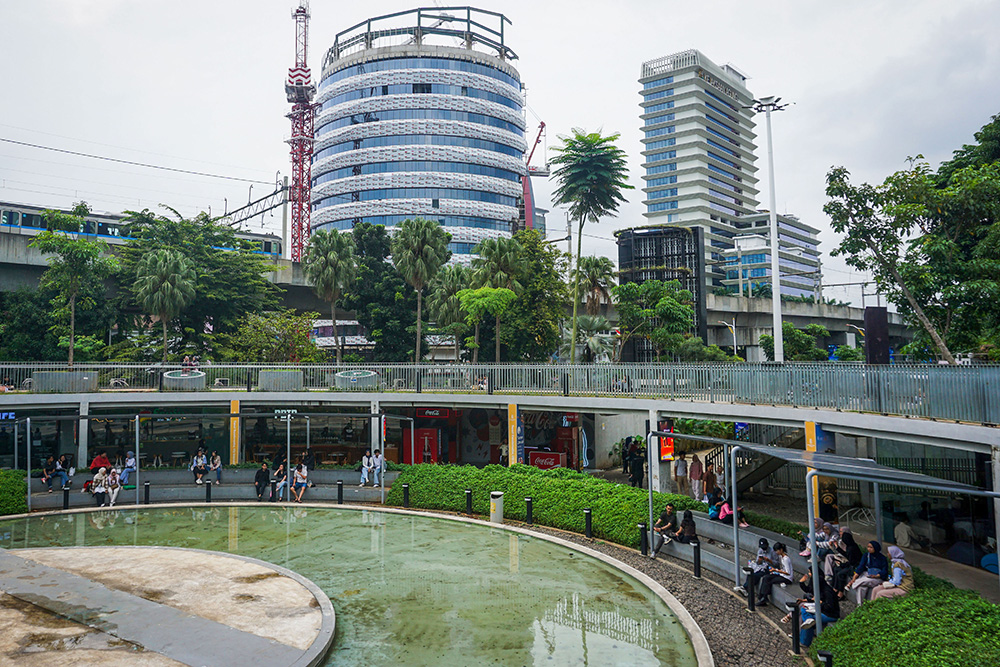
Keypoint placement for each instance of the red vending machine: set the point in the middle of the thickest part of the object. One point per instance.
(425, 447)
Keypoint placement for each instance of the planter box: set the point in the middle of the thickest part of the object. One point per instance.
(181, 381)
(357, 379)
(75, 382)
(280, 381)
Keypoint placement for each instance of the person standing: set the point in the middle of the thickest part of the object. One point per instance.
(626, 447)
(636, 464)
(378, 467)
(261, 481)
(695, 472)
(366, 467)
(681, 475)
(709, 480)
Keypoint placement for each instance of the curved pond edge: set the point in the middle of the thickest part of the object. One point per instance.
(698, 641)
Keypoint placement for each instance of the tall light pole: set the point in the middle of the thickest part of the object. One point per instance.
(732, 327)
(767, 105)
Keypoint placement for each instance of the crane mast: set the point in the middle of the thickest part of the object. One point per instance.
(300, 90)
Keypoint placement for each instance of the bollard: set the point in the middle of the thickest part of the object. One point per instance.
(697, 559)
(587, 523)
(795, 629)
(145, 493)
(643, 540)
(752, 598)
(528, 510)
(274, 491)
(468, 501)
(826, 658)
(65, 499)
(208, 492)
(340, 492)
(406, 495)
(496, 506)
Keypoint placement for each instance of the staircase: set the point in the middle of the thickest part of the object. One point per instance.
(754, 468)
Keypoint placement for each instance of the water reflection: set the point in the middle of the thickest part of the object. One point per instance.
(414, 590)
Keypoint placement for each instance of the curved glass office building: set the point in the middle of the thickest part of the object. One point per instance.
(420, 115)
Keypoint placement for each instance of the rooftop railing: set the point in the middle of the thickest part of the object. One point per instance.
(961, 393)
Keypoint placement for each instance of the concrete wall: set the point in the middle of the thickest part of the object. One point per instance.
(610, 428)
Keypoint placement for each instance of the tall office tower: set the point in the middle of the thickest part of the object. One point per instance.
(699, 151)
(421, 116)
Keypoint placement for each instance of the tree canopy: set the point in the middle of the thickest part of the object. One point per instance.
(164, 286)
(798, 344)
(661, 312)
(331, 266)
(275, 337)
(531, 326)
(419, 250)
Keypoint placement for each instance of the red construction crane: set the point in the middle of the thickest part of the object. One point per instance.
(300, 90)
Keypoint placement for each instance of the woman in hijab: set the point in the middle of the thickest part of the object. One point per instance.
(901, 582)
(687, 532)
(839, 566)
(872, 571)
(100, 487)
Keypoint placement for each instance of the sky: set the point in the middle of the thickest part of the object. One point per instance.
(197, 85)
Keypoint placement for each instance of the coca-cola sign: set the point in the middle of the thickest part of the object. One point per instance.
(440, 413)
(546, 460)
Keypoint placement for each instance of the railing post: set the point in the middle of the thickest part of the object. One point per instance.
(587, 523)
(340, 492)
(490, 379)
(468, 501)
(419, 381)
(697, 559)
(249, 381)
(65, 499)
(528, 510)
(643, 540)
(406, 495)
(145, 493)
(565, 384)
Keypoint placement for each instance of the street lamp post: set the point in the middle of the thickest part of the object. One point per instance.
(767, 105)
(732, 327)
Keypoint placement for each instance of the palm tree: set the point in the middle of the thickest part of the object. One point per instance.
(499, 263)
(331, 265)
(594, 335)
(419, 250)
(164, 286)
(592, 175)
(443, 302)
(597, 277)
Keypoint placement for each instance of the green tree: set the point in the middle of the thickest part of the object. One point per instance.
(592, 173)
(77, 268)
(25, 320)
(164, 286)
(385, 306)
(419, 250)
(499, 263)
(658, 311)
(445, 306)
(279, 336)
(331, 266)
(846, 353)
(531, 326)
(595, 338)
(477, 303)
(596, 276)
(985, 151)
(232, 280)
(693, 348)
(799, 344)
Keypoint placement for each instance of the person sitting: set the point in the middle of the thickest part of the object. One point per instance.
(715, 501)
(100, 461)
(901, 582)
(829, 608)
(688, 532)
(51, 470)
(309, 460)
(726, 515)
(825, 539)
(131, 466)
(378, 467)
(301, 477)
(281, 481)
(709, 482)
(99, 487)
(261, 481)
(215, 463)
(872, 571)
(62, 463)
(839, 565)
(199, 466)
(114, 485)
(665, 528)
(779, 573)
(905, 536)
(366, 466)
(758, 567)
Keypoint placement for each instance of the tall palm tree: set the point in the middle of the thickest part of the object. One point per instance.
(443, 302)
(591, 173)
(164, 286)
(419, 250)
(597, 278)
(499, 263)
(331, 266)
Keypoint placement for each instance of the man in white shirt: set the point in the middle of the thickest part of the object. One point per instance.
(681, 475)
(378, 466)
(781, 573)
(366, 467)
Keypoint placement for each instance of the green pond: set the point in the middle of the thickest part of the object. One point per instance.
(414, 590)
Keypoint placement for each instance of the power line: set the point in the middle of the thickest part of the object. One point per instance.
(135, 164)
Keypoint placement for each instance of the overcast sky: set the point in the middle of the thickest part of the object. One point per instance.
(198, 85)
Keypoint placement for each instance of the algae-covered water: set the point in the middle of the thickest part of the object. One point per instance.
(413, 590)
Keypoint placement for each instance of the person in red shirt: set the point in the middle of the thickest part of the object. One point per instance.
(100, 461)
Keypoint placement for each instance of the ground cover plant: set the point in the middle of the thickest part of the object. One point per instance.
(12, 492)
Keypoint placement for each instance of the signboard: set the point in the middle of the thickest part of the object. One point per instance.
(666, 444)
(824, 488)
(234, 432)
(434, 413)
(6, 415)
(515, 435)
(546, 460)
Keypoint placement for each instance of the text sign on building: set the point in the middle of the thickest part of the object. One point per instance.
(435, 413)
(5, 416)
(546, 460)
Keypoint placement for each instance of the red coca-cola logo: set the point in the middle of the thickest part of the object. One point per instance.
(546, 460)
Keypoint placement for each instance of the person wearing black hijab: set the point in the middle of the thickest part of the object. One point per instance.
(839, 566)
(872, 571)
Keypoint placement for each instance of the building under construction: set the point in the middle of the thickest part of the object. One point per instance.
(420, 114)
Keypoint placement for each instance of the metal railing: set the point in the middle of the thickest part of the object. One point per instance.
(961, 393)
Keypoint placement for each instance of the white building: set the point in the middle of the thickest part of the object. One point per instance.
(798, 259)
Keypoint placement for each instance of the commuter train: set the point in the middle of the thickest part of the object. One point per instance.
(30, 220)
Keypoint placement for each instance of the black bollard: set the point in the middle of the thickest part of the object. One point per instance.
(587, 523)
(825, 658)
(752, 597)
(643, 540)
(795, 629)
(697, 559)
(340, 492)
(145, 493)
(468, 501)
(208, 492)
(65, 499)
(528, 510)
(406, 495)
(274, 490)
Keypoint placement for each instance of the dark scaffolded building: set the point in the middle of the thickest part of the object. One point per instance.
(664, 252)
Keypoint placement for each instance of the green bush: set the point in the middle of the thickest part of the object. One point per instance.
(13, 492)
(936, 626)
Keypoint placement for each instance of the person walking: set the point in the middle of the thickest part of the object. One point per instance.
(366, 467)
(681, 475)
(695, 472)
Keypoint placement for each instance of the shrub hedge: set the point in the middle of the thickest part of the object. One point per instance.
(13, 490)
